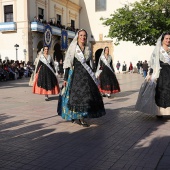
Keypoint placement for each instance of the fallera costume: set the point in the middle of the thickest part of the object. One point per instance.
(160, 64)
(105, 72)
(81, 98)
(45, 82)
(124, 67)
(160, 82)
(31, 82)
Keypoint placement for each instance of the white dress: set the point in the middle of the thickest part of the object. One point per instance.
(56, 67)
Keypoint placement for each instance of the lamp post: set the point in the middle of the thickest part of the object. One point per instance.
(25, 51)
(16, 46)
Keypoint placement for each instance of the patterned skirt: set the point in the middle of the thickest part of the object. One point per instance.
(162, 96)
(65, 112)
(108, 82)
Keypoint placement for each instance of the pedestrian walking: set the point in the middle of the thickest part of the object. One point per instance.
(141, 67)
(124, 67)
(118, 66)
(56, 65)
(60, 69)
(130, 68)
(145, 68)
(45, 82)
(108, 81)
(160, 71)
(81, 98)
(138, 67)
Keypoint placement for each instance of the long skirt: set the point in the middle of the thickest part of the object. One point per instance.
(63, 105)
(45, 82)
(108, 82)
(162, 96)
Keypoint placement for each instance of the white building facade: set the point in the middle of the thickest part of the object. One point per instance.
(90, 14)
(22, 24)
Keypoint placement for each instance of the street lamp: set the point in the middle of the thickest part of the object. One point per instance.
(16, 46)
(25, 51)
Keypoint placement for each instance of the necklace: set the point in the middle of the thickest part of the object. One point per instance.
(82, 47)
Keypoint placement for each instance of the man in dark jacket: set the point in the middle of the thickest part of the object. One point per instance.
(145, 68)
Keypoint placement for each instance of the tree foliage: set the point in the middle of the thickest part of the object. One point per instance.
(140, 22)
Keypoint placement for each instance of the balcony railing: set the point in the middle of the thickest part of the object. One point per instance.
(8, 26)
(39, 27)
(56, 30)
(71, 34)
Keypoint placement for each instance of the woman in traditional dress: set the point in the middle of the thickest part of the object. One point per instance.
(105, 73)
(45, 82)
(124, 67)
(81, 98)
(31, 82)
(160, 71)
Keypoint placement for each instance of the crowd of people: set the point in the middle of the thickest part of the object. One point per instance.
(141, 68)
(12, 70)
(54, 23)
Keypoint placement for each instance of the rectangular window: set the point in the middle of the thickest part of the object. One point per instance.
(40, 13)
(100, 5)
(58, 19)
(8, 13)
(72, 23)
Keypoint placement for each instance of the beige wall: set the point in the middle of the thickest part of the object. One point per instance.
(68, 9)
(19, 37)
(90, 20)
(24, 12)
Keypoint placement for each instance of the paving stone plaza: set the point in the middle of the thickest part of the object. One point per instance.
(34, 137)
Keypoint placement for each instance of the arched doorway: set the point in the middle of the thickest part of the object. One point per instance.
(39, 46)
(97, 56)
(57, 52)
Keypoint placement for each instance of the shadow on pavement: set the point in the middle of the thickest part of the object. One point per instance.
(120, 139)
(126, 93)
(24, 82)
(14, 83)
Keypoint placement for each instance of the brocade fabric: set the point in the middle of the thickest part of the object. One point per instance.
(162, 96)
(108, 80)
(46, 79)
(84, 95)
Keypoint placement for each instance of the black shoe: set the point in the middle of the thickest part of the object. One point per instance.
(46, 98)
(76, 122)
(108, 95)
(83, 123)
(159, 116)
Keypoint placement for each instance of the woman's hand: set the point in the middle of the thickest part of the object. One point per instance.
(148, 78)
(64, 83)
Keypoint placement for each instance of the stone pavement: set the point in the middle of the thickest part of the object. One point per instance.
(33, 137)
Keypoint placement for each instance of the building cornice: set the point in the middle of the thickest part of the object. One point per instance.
(68, 4)
(41, 2)
(58, 10)
(72, 15)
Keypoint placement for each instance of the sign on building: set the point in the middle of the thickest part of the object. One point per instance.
(47, 36)
(64, 40)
